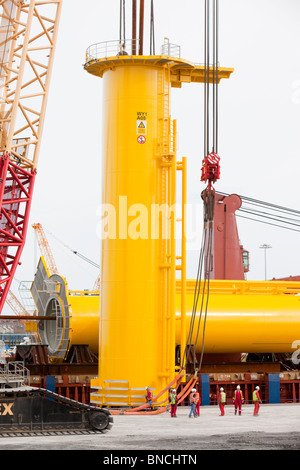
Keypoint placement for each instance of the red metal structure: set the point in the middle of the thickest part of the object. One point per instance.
(230, 259)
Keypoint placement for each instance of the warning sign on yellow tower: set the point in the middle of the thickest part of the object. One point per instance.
(141, 127)
(141, 123)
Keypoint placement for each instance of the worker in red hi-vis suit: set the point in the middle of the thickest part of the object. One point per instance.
(173, 399)
(222, 401)
(256, 401)
(238, 400)
(149, 396)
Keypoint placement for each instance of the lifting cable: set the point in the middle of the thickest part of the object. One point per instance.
(122, 34)
(152, 38)
(122, 23)
(80, 255)
(270, 211)
(210, 173)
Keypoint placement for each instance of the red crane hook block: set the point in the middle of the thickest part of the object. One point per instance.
(210, 170)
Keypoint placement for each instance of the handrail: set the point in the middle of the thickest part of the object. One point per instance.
(14, 371)
(115, 48)
(110, 49)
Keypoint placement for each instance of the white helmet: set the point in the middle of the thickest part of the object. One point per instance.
(193, 389)
(222, 389)
(238, 387)
(257, 388)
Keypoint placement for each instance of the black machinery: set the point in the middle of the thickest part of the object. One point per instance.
(27, 409)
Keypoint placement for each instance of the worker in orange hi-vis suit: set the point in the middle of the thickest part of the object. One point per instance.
(222, 401)
(238, 400)
(197, 408)
(193, 403)
(256, 400)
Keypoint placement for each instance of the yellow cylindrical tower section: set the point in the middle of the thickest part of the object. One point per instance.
(137, 301)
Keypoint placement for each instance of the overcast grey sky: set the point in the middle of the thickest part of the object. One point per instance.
(259, 122)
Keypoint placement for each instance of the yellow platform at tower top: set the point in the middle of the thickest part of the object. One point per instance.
(181, 70)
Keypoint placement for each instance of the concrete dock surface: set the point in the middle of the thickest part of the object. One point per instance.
(277, 427)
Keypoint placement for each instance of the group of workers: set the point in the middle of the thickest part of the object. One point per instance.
(238, 400)
(194, 400)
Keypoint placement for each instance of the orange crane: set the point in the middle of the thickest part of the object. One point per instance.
(97, 283)
(28, 34)
(49, 258)
(45, 248)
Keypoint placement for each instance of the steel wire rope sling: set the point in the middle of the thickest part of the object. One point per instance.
(210, 172)
(122, 36)
(80, 255)
(288, 216)
(152, 35)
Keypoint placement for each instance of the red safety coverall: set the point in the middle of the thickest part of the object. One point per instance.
(149, 397)
(222, 401)
(173, 398)
(238, 399)
(197, 409)
(256, 401)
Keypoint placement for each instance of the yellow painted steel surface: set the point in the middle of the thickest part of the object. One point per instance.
(181, 70)
(137, 303)
(243, 316)
(84, 320)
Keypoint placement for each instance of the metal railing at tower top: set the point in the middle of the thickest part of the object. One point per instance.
(114, 48)
(169, 49)
(111, 49)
